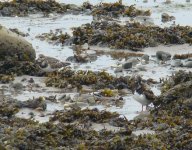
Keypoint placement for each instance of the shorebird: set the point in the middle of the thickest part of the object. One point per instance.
(142, 93)
(141, 98)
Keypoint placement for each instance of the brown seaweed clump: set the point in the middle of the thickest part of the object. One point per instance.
(6, 78)
(96, 80)
(117, 9)
(93, 115)
(23, 8)
(171, 121)
(182, 56)
(8, 108)
(19, 68)
(134, 36)
(56, 37)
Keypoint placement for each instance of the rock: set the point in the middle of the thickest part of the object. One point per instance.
(182, 90)
(118, 69)
(141, 67)
(142, 132)
(64, 98)
(165, 17)
(133, 60)
(20, 68)
(110, 86)
(190, 34)
(33, 103)
(145, 58)
(86, 89)
(176, 63)
(84, 98)
(188, 64)
(164, 56)
(15, 30)
(31, 80)
(75, 105)
(162, 126)
(121, 86)
(14, 47)
(6, 11)
(124, 91)
(91, 100)
(127, 65)
(17, 86)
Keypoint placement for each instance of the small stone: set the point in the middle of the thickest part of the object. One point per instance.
(176, 63)
(119, 69)
(165, 17)
(23, 80)
(145, 58)
(164, 56)
(91, 100)
(31, 80)
(188, 64)
(127, 65)
(17, 86)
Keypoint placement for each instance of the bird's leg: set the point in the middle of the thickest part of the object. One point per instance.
(142, 107)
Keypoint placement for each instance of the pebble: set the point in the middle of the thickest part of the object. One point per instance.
(31, 80)
(119, 69)
(176, 63)
(127, 65)
(145, 58)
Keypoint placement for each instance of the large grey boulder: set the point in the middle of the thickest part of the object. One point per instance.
(15, 47)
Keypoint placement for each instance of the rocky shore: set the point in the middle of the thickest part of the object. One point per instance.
(71, 103)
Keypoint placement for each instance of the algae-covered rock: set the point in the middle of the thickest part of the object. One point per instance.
(14, 47)
(179, 91)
